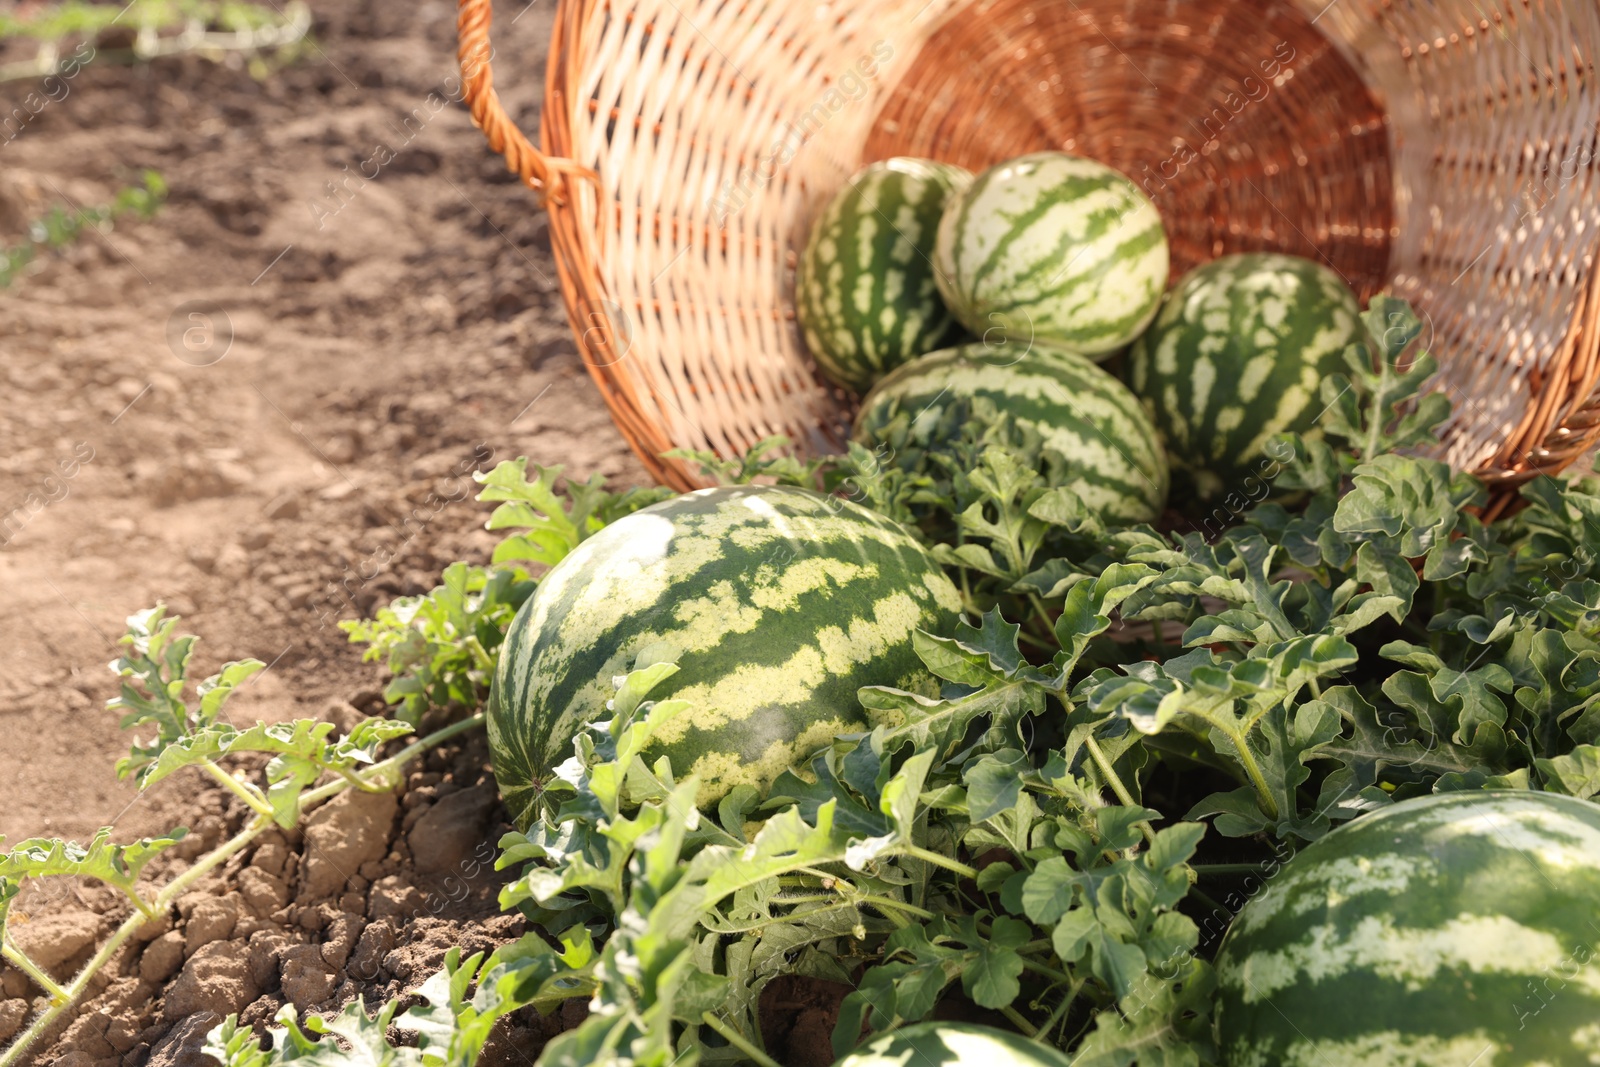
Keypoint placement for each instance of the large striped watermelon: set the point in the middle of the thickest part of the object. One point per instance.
(776, 603)
(1055, 248)
(1104, 447)
(1237, 354)
(864, 292)
(1453, 930)
(941, 1044)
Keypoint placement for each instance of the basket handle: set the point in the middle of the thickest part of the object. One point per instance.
(544, 174)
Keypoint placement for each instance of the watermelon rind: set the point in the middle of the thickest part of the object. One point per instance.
(1236, 355)
(776, 603)
(1053, 247)
(865, 296)
(1455, 929)
(1100, 439)
(942, 1044)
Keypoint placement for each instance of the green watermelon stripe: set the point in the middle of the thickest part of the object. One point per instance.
(865, 296)
(777, 604)
(1452, 929)
(1236, 355)
(1056, 271)
(1078, 410)
(1056, 248)
(1050, 199)
(1119, 411)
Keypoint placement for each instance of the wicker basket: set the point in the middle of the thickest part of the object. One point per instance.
(1443, 149)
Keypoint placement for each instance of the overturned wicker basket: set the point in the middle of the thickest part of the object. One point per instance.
(1446, 150)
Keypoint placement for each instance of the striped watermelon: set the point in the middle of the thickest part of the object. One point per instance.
(941, 1044)
(776, 603)
(1237, 354)
(1452, 930)
(1055, 248)
(864, 291)
(1108, 452)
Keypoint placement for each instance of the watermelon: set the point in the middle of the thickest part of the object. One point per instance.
(1444, 931)
(1096, 437)
(864, 291)
(777, 604)
(1055, 248)
(1236, 355)
(940, 1044)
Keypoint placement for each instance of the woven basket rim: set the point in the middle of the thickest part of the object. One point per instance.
(1561, 422)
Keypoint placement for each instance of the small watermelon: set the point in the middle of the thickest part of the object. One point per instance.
(777, 605)
(1236, 355)
(1054, 248)
(1099, 441)
(864, 292)
(940, 1044)
(1444, 931)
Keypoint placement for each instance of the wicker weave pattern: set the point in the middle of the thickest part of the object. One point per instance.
(1495, 110)
(1444, 148)
(715, 134)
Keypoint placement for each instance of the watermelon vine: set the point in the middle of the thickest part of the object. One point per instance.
(1135, 729)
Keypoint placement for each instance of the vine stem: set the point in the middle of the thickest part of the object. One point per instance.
(855, 899)
(129, 927)
(1115, 780)
(1027, 638)
(738, 1040)
(1112, 777)
(1252, 769)
(1209, 901)
(926, 856)
(20, 960)
(830, 902)
(374, 774)
(1226, 868)
(1060, 1012)
(1048, 972)
(249, 795)
(887, 905)
(356, 780)
(1020, 1021)
(69, 995)
(1040, 613)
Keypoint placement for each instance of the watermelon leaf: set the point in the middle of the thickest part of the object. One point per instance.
(770, 459)
(1576, 774)
(1163, 1021)
(441, 647)
(549, 528)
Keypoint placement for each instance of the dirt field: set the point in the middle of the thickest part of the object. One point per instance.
(240, 408)
(386, 335)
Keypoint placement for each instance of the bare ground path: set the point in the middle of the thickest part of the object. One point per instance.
(258, 406)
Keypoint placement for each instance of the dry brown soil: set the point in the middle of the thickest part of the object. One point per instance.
(378, 349)
(292, 457)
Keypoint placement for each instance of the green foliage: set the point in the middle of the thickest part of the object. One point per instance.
(61, 226)
(154, 692)
(269, 35)
(548, 527)
(440, 648)
(769, 461)
(675, 920)
(1122, 707)
(75, 18)
(155, 673)
(450, 1025)
(116, 865)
